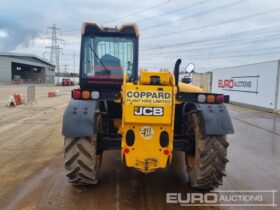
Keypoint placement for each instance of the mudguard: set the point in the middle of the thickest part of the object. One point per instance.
(78, 118)
(216, 119)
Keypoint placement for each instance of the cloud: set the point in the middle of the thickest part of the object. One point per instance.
(3, 33)
(23, 24)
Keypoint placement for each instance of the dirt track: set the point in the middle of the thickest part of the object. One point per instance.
(32, 175)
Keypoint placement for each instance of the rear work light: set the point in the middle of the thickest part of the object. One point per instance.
(220, 99)
(201, 98)
(210, 99)
(86, 94)
(76, 94)
(95, 95)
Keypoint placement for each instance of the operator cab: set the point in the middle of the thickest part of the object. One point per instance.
(106, 55)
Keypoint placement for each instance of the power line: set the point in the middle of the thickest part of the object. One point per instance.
(237, 56)
(269, 38)
(184, 44)
(198, 14)
(210, 54)
(154, 61)
(232, 53)
(245, 56)
(138, 12)
(212, 25)
(207, 42)
(219, 39)
(173, 11)
(131, 14)
(241, 54)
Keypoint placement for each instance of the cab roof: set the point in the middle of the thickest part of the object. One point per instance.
(88, 28)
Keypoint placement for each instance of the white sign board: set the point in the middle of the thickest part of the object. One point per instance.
(249, 84)
(240, 84)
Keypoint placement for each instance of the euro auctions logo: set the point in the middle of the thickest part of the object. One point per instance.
(240, 84)
(239, 198)
(226, 83)
(229, 83)
(192, 198)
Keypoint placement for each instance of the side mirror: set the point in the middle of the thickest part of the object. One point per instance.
(190, 68)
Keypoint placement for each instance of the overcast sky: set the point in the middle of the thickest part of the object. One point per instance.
(209, 33)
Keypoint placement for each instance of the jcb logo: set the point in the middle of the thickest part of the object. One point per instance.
(148, 111)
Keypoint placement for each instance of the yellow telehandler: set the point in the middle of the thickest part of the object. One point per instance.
(146, 117)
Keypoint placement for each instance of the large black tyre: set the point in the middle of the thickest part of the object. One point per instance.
(207, 167)
(81, 160)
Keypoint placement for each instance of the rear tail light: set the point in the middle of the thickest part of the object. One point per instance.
(220, 99)
(86, 94)
(166, 152)
(76, 94)
(126, 150)
(210, 99)
(201, 98)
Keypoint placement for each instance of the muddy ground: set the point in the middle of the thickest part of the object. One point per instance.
(32, 174)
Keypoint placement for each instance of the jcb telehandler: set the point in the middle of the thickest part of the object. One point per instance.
(147, 117)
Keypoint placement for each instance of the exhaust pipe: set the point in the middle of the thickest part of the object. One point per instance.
(176, 71)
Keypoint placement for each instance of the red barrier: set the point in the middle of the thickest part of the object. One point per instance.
(52, 94)
(18, 99)
(15, 100)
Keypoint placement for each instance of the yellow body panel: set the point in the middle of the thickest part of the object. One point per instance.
(146, 154)
(149, 110)
(188, 88)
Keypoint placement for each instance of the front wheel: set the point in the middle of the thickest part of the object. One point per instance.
(81, 160)
(207, 167)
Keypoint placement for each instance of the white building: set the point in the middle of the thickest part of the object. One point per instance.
(254, 84)
(24, 68)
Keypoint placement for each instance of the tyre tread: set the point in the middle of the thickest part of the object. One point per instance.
(80, 160)
(209, 168)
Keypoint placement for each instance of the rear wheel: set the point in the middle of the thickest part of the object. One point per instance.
(81, 160)
(207, 167)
